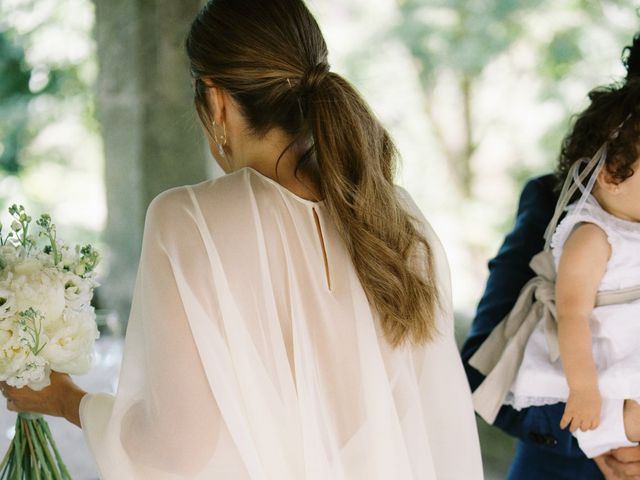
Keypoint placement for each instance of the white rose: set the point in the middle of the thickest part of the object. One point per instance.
(19, 366)
(70, 348)
(5, 336)
(27, 267)
(77, 292)
(8, 305)
(38, 289)
(13, 354)
(9, 253)
(35, 374)
(69, 256)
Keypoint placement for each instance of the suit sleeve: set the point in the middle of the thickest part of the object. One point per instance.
(508, 272)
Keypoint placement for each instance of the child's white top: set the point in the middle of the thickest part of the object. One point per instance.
(623, 268)
(615, 328)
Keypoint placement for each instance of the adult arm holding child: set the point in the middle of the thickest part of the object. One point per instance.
(624, 463)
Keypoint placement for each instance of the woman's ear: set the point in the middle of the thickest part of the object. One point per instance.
(607, 182)
(217, 100)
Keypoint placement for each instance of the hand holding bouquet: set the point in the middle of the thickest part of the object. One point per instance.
(47, 324)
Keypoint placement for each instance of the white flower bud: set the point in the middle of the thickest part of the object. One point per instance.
(16, 226)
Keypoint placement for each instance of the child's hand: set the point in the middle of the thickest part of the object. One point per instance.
(582, 410)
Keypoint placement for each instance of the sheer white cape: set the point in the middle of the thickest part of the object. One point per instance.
(246, 359)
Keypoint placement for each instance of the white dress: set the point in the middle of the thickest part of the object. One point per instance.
(246, 359)
(615, 329)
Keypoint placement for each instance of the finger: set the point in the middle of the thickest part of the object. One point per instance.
(624, 470)
(11, 406)
(612, 463)
(565, 421)
(574, 425)
(9, 391)
(616, 468)
(584, 425)
(630, 469)
(626, 454)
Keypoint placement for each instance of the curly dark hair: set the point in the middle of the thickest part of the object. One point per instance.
(631, 57)
(611, 106)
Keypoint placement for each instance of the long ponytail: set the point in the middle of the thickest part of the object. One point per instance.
(271, 57)
(357, 161)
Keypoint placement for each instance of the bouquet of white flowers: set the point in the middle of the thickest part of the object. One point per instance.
(47, 324)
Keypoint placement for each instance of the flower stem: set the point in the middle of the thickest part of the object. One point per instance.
(54, 470)
(35, 464)
(6, 459)
(43, 451)
(32, 454)
(63, 468)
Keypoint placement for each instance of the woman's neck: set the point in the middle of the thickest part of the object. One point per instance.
(266, 156)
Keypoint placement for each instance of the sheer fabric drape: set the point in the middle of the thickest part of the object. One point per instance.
(252, 353)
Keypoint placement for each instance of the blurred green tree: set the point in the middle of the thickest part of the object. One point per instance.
(14, 99)
(20, 84)
(459, 38)
(455, 41)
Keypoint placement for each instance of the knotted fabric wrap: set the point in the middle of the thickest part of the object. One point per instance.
(500, 356)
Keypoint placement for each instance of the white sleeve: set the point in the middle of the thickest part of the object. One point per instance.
(447, 404)
(164, 417)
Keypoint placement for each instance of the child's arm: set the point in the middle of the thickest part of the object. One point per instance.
(582, 266)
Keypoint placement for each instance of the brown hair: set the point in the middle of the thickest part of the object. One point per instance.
(631, 57)
(613, 108)
(271, 57)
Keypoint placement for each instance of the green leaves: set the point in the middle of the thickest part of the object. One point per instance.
(462, 36)
(49, 231)
(31, 324)
(89, 259)
(14, 97)
(563, 52)
(19, 228)
(86, 257)
(24, 80)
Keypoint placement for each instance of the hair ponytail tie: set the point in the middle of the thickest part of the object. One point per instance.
(314, 77)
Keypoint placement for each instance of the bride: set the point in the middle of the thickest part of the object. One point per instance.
(291, 319)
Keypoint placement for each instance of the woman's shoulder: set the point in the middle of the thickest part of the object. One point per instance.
(438, 251)
(178, 200)
(222, 204)
(410, 205)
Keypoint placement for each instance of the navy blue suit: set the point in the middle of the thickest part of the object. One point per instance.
(544, 450)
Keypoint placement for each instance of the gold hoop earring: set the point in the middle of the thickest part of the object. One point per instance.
(222, 142)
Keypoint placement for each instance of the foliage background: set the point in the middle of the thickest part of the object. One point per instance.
(477, 95)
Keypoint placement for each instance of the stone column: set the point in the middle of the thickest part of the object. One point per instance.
(152, 140)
